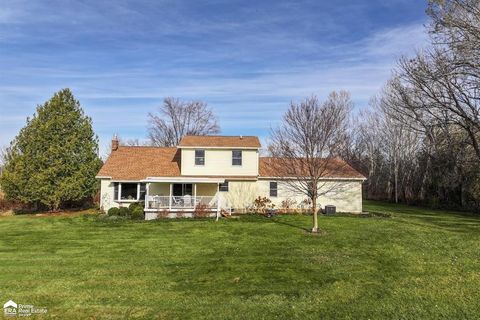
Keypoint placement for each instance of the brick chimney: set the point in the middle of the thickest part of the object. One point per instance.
(114, 143)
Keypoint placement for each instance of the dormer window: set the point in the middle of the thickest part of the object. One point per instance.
(199, 157)
(236, 157)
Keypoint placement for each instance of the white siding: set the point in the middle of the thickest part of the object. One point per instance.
(240, 194)
(107, 192)
(107, 195)
(219, 162)
(345, 195)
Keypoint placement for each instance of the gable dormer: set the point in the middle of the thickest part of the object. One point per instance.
(219, 155)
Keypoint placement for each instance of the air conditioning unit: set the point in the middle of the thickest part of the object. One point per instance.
(330, 209)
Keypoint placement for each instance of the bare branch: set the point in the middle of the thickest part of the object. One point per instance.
(176, 119)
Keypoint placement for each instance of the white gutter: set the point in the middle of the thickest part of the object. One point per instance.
(210, 147)
(296, 178)
(183, 179)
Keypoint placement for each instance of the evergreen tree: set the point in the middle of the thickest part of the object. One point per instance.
(54, 158)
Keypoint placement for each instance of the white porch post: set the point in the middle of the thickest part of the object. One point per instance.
(170, 198)
(119, 192)
(147, 191)
(194, 194)
(138, 191)
(218, 202)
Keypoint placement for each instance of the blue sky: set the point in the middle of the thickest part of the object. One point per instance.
(246, 59)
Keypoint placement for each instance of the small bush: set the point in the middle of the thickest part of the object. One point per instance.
(261, 204)
(113, 211)
(135, 205)
(137, 213)
(124, 212)
(201, 211)
(288, 203)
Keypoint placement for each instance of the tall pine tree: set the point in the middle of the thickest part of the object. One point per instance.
(54, 158)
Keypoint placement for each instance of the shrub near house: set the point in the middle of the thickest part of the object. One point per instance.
(134, 211)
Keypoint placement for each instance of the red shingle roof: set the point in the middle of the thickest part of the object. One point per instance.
(137, 163)
(220, 141)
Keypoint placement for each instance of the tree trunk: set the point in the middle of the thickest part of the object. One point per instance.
(426, 172)
(315, 217)
(395, 171)
(475, 145)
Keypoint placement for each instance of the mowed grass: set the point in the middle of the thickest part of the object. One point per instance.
(416, 264)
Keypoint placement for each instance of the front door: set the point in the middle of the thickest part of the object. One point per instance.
(182, 189)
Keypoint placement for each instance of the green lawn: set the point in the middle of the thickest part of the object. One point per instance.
(416, 264)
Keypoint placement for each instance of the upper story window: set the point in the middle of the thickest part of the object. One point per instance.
(199, 157)
(236, 157)
(273, 189)
(223, 187)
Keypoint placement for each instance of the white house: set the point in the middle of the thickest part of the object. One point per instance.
(218, 172)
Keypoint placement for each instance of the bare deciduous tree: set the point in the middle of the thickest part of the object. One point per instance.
(176, 119)
(133, 142)
(306, 144)
(435, 94)
(422, 135)
(455, 25)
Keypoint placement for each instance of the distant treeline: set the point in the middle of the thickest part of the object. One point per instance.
(419, 142)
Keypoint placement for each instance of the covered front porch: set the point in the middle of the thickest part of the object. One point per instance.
(180, 194)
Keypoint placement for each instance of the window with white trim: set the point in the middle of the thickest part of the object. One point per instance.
(236, 157)
(199, 157)
(273, 189)
(129, 191)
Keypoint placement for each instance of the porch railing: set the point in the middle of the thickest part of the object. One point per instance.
(179, 202)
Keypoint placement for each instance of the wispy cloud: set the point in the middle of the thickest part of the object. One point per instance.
(248, 62)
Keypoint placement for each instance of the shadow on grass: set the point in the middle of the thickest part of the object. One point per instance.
(401, 208)
(289, 224)
(451, 223)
